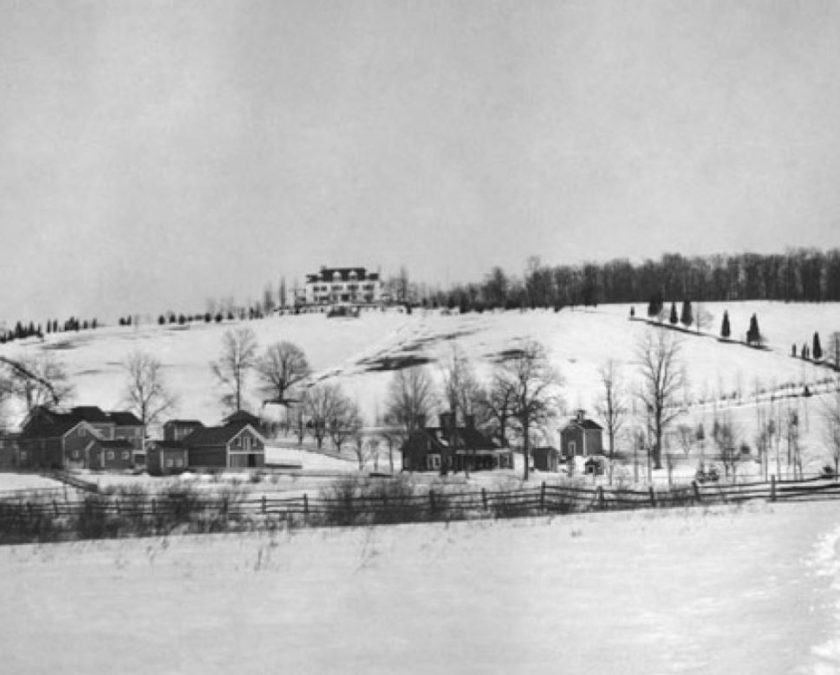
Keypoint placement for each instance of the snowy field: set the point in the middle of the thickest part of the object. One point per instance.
(751, 590)
(12, 482)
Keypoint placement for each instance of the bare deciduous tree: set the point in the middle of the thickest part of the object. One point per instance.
(320, 406)
(833, 350)
(238, 357)
(831, 428)
(345, 421)
(410, 398)
(612, 406)
(461, 392)
(663, 379)
(282, 366)
(38, 380)
(725, 437)
(146, 393)
(496, 406)
(535, 384)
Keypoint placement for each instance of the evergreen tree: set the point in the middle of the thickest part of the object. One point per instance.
(753, 334)
(161, 320)
(673, 318)
(817, 350)
(686, 316)
(655, 305)
(724, 326)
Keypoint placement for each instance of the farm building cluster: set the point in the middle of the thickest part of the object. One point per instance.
(86, 437)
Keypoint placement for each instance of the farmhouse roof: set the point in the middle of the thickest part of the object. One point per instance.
(215, 435)
(124, 418)
(53, 425)
(460, 438)
(89, 413)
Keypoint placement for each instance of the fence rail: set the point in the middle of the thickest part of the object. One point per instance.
(46, 516)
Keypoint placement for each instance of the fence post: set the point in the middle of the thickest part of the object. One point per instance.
(542, 496)
(696, 491)
(773, 488)
(652, 496)
(65, 492)
(484, 498)
(305, 506)
(55, 508)
(600, 492)
(154, 506)
(263, 503)
(117, 501)
(432, 500)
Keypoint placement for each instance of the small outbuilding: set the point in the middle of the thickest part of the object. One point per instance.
(581, 437)
(166, 457)
(107, 455)
(546, 458)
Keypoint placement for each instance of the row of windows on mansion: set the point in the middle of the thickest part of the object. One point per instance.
(341, 284)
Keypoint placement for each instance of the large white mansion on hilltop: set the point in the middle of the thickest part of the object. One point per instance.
(341, 284)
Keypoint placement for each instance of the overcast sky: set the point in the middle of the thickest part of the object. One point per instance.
(157, 153)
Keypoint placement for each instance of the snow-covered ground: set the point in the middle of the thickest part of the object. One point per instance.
(11, 482)
(750, 590)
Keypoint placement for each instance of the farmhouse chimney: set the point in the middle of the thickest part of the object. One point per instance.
(469, 421)
(421, 421)
(581, 415)
(446, 421)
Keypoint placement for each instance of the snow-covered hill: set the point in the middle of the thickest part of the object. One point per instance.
(360, 353)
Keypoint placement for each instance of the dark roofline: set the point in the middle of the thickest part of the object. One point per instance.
(326, 274)
(115, 443)
(586, 424)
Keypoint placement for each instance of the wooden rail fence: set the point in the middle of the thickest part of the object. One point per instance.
(45, 515)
